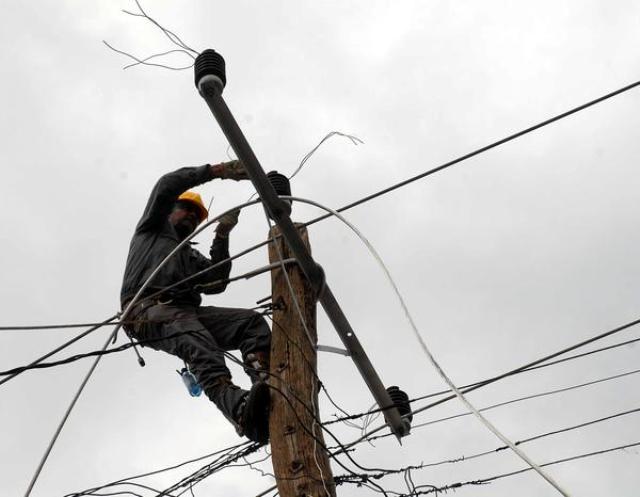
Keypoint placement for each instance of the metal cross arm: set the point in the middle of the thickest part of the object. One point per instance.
(210, 79)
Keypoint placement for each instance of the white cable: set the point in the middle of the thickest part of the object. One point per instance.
(164, 261)
(123, 318)
(290, 286)
(44, 458)
(354, 139)
(428, 353)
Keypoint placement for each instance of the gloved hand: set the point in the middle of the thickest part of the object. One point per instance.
(226, 223)
(230, 170)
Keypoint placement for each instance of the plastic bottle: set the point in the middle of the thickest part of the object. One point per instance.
(189, 380)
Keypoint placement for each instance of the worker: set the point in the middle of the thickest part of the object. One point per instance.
(175, 321)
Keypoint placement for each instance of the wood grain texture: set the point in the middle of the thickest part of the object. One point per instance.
(300, 463)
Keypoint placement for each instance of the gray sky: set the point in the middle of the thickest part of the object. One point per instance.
(509, 256)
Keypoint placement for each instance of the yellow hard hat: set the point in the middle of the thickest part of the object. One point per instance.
(196, 200)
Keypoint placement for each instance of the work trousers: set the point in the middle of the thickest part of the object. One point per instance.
(200, 336)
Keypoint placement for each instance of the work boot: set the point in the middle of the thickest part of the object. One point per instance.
(257, 365)
(253, 413)
(247, 411)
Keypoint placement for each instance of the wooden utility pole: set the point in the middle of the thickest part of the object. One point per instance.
(300, 462)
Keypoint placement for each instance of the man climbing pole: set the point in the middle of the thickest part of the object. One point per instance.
(175, 322)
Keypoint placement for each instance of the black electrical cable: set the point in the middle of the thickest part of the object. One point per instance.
(537, 395)
(64, 326)
(348, 417)
(125, 492)
(58, 349)
(44, 365)
(432, 171)
(456, 161)
(460, 159)
(482, 481)
(208, 470)
(479, 151)
(464, 458)
(469, 155)
(534, 363)
(545, 393)
(35, 364)
(154, 295)
(89, 492)
(158, 471)
(538, 364)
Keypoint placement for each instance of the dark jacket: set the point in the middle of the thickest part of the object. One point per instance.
(155, 238)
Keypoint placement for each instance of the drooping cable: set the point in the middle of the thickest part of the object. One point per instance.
(469, 457)
(348, 417)
(462, 158)
(39, 364)
(546, 393)
(427, 351)
(480, 150)
(103, 352)
(525, 367)
(483, 481)
(157, 471)
(62, 347)
(34, 479)
(125, 315)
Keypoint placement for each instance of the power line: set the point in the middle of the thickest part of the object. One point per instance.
(366, 477)
(209, 470)
(459, 394)
(431, 358)
(64, 419)
(504, 403)
(536, 362)
(157, 471)
(571, 348)
(58, 349)
(436, 365)
(562, 430)
(399, 185)
(545, 393)
(538, 395)
(38, 327)
(482, 481)
(349, 417)
(464, 458)
(99, 353)
(113, 337)
(527, 367)
(200, 474)
(480, 150)
(109, 321)
(229, 455)
(462, 158)
(412, 179)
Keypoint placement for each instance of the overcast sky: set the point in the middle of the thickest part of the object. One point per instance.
(504, 258)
